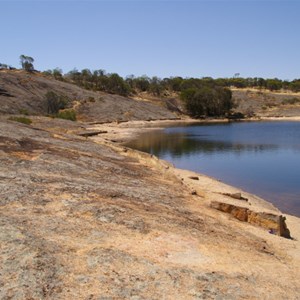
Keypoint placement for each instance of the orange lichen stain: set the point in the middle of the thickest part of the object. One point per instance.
(27, 155)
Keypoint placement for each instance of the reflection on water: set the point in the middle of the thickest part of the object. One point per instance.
(262, 158)
(178, 144)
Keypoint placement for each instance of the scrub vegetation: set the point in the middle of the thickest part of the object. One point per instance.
(23, 120)
(200, 97)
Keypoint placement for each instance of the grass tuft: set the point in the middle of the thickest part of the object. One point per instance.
(23, 120)
(69, 114)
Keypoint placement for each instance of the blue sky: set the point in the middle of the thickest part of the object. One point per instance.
(163, 38)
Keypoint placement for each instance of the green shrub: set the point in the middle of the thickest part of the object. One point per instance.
(290, 101)
(69, 114)
(23, 120)
(55, 102)
(236, 116)
(24, 112)
(91, 99)
(207, 101)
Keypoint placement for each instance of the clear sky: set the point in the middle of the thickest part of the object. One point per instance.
(164, 38)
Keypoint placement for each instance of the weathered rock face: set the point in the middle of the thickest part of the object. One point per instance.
(265, 103)
(79, 220)
(239, 213)
(22, 91)
(275, 223)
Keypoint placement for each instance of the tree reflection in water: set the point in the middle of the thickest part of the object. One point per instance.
(175, 144)
(260, 157)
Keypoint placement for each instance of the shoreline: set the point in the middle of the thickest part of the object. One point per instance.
(121, 133)
(85, 215)
(292, 119)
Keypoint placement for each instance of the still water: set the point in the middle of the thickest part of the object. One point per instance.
(262, 158)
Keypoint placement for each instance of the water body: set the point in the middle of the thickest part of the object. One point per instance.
(262, 158)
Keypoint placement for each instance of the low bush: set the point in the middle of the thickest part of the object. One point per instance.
(23, 120)
(91, 99)
(290, 101)
(236, 116)
(55, 102)
(69, 114)
(24, 112)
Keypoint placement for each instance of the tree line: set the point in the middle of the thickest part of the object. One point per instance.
(100, 80)
(204, 96)
(113, 83)
(201, 98)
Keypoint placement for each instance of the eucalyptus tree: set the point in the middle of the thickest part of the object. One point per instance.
(27, 63)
